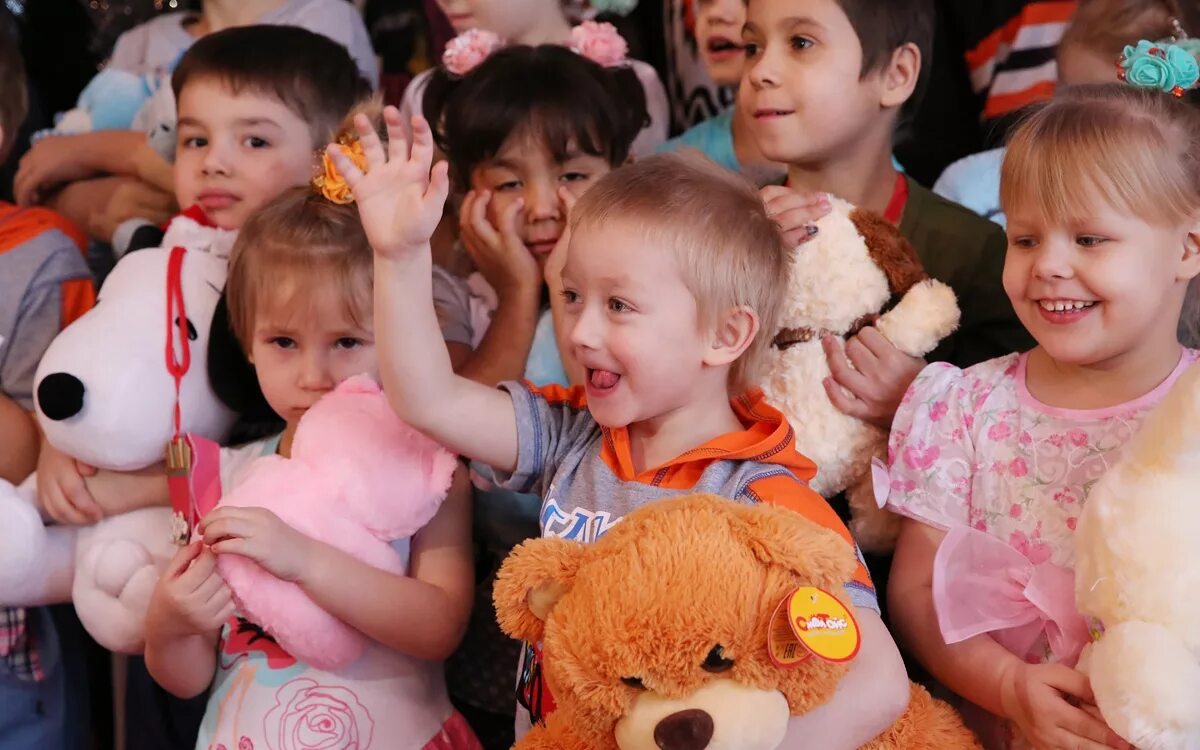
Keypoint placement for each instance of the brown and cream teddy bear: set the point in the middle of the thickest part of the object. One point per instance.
(656, 637)
(840, 282)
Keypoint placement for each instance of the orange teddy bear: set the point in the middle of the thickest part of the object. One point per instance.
(657, 635)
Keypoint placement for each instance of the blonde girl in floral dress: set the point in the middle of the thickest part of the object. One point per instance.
(991, 465)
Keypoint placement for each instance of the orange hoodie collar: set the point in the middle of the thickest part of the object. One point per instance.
(767, 437)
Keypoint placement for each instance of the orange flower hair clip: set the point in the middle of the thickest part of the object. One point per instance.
(330, 183)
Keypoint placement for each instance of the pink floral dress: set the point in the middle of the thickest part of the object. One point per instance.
(973, 453)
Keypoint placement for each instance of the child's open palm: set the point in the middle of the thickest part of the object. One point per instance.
(400, 200)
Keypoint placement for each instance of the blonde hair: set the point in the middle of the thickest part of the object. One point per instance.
(296, 242)
(1106, 26)
(729, 251)
(1136, 149)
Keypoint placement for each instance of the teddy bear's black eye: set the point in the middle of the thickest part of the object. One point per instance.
(634, 682)
(716, 661)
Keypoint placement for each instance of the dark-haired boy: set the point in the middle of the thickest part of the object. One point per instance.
(828, 83)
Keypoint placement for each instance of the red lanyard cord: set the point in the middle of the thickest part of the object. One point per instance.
(177, 324)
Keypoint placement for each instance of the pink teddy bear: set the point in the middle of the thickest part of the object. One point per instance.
(358, 479)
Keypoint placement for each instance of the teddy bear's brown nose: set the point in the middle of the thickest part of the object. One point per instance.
(684, 730)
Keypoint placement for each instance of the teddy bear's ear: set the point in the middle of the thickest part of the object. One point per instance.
(783, 537)
(532, 580)
(890, 251)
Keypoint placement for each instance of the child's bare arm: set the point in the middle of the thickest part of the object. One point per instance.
(119, 492)
(1039, 698)
(400, 203)
(869, 699)
(183, 622)
(19, 441)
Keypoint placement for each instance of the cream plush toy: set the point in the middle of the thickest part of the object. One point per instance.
(105, 397)
(840, 282)
(1136, 574)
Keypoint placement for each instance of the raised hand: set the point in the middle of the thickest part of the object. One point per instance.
(399, 198)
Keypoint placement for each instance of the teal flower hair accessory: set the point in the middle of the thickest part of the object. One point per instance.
(1155, 65)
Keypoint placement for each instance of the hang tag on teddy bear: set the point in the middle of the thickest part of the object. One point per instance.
(812, 622)
(193, 481)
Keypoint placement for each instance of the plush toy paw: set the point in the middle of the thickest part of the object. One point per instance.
(926, 314)
(36, 563)
(22, 538)
(121, 560)
(926, 724)
(1147, 684)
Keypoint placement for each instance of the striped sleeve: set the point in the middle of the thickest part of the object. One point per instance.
(1012, 61)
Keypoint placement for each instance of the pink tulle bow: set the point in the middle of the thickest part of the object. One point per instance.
(599, 42)
(467, 50)
(982, 585)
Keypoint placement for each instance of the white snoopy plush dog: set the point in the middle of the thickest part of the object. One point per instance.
(840, 282)
(1137, 575)
(105, 397)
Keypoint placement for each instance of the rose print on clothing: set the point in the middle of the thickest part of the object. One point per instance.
(308, 716)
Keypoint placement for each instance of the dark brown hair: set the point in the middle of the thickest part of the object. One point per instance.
(309, 73)
(547, 91)
(14, 98)
(883, 26)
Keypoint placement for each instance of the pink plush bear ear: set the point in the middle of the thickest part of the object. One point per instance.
(392, 478)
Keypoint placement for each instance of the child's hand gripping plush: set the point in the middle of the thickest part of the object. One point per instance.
(657, 635)
(841, 282)
(1135, 573)
(358, 479)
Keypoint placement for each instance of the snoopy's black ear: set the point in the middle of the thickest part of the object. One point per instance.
(147, 235)
(233, 378)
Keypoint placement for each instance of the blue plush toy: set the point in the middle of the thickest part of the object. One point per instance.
(109, 102)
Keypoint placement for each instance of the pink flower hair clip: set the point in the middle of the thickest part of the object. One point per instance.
(467, 50)
(599, 42)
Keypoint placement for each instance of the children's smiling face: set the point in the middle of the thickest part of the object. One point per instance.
(507, 18)
(1096, 287)
(802, 84)
(525, 170)
(633, 324)
(237, 151)
(719, 37)
(305, 342)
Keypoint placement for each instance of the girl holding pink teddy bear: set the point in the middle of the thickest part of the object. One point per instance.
(300, 294)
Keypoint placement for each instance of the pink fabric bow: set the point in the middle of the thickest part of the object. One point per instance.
(982, 585)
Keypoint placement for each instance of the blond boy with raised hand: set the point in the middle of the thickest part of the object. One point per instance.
(671, 270)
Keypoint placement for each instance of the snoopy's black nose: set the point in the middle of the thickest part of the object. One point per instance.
(60, 396)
